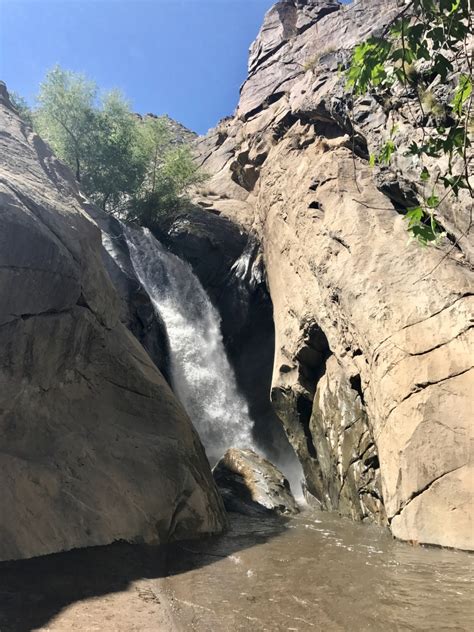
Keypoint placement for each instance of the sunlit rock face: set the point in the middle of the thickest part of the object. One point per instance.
(372, 368)
(94, 445)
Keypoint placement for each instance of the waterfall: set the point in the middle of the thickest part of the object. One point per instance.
(202, 377)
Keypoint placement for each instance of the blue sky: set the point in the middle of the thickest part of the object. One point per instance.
(186, 58)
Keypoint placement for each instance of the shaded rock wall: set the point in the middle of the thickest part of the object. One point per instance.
(95, 447)
(373, 335)
(136, 309)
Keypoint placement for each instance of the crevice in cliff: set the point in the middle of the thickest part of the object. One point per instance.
(375, 353)
(403, 197)
(261, 61)
(124, 387)
(459, 298)
(312, 356)
(409, 354)
(339, 240)
(400, 194)
(418, 387)
(89, 382)
(356, 385)
(180, 507)
(276, 95)
(46, 314)
(442, 344)
(304, 409)
(35, 269)
(422, 491)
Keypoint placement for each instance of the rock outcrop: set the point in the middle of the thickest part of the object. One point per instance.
(372, 374)
(95, 447)
(251, 485)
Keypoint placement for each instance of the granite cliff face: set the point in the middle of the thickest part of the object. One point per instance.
(95, 447)
(372, 373)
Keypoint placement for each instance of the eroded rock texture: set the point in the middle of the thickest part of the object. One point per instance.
(94, 446)
(372, 373)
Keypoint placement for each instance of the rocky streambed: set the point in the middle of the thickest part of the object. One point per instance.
(314, 571)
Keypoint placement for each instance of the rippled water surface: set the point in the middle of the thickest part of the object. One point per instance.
(319, 572)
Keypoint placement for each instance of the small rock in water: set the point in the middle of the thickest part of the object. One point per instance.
(251, 485)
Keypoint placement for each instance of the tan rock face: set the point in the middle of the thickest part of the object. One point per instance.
(95, 447)
(355, 302)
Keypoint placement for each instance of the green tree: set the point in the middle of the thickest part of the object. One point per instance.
(156, 141)
(65, 117)
(99, 142)
(422, 50)
(166, 193)
(169, 173)
(115, 165)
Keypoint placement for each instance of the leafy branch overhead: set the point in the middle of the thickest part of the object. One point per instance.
(130, 166)
(429, 45)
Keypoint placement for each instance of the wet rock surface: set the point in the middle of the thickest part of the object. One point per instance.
(251, 485)
(346, 283)
(95, 447)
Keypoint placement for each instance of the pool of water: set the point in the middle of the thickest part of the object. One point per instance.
(318, 572)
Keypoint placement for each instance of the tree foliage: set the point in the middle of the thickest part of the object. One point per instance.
(129, 166)
(65, 116)
(425, 47)
(116, 165)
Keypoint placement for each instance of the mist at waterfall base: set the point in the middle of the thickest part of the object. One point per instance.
(201, 375)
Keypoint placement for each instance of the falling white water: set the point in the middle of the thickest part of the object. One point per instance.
(202, 377)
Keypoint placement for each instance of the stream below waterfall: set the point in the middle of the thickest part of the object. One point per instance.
(314, 572)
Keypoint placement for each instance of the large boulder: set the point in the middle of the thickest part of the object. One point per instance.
(95, 447)
(251, 485)
(372, 372)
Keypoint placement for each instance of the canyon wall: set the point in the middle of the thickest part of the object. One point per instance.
(95, 447)
(372, 374)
